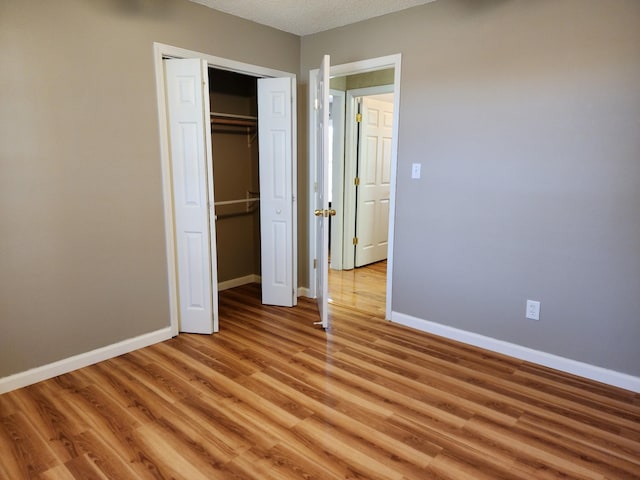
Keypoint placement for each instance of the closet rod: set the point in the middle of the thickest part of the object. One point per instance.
(232, 115)
(232, 202)
(235, 120)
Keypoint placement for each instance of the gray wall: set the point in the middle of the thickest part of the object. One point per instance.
(525, 116)
(82, 250)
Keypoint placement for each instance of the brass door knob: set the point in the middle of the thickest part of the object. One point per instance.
(324, 213)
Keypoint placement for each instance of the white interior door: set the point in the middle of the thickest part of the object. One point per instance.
(374, 173)
(187, 89)
(277, 227)
(322, 202)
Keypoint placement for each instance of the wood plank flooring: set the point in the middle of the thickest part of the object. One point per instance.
(273, 397)
(363, 288)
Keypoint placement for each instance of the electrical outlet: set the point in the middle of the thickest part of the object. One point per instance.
(533, 310)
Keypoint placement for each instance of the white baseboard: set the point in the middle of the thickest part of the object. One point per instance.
(29, 377)
(592, 372)
(304, 292)
(238, 282)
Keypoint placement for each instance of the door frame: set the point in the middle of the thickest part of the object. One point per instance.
(351, 167)
(363, 66)
(337, 181)
(160, 52)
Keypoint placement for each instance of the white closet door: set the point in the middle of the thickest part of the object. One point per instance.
(190, 138)
(276, 191)
(322, 194)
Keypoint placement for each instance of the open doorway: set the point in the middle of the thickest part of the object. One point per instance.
(360, 127)
(233, 101)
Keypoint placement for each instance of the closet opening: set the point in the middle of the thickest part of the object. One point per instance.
(190, 86)
(233, 101)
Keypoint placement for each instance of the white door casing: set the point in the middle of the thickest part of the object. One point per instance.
(337, 182)
(321, 194)
(372, 64)
(161, 53)
(276, 191)
(190, 139)
(374, 174)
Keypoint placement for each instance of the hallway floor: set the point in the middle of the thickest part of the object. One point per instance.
(362, 288)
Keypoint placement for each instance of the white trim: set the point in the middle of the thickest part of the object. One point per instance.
(394, 180)
(368, 65)
(168, 51)
(167, 190)
(350, 168)
(592, 372)
(66, 365)
(337, 177)
(313, 184)
(373, 64)
(238, 282)
(294, 188)
(161, 51)
(304, 292)
(208, 155)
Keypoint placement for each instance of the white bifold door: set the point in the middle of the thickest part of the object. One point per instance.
(187, 91)
(187, 88)
(276, 191)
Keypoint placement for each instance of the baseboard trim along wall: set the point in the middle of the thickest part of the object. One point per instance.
(592, 372)
(304, 292)
(238, 282)
(22, 379)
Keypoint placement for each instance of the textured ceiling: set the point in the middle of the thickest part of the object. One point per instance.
(304, 17)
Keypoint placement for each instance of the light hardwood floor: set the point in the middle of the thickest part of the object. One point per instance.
(273, 397)
(363, 288)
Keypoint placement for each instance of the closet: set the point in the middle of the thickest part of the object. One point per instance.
(234, 139)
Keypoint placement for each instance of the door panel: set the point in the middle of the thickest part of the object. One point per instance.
(322, 201)
(190, 136)
(276, 191)
(374, 171)
(196, 274)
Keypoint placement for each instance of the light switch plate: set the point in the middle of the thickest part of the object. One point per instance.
(415, 170)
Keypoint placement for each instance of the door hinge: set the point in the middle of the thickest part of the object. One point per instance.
(356, 181)
(358, 117)
(316, 104)
(315, 263)
(355, 240)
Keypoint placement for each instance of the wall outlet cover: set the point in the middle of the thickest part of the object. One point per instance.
(533, 310)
